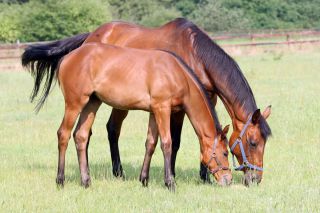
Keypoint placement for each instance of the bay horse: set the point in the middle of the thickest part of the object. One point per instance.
(131, 79)
(217, 71)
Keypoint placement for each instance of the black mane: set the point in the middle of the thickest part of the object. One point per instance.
(264, 129)
(227, 72)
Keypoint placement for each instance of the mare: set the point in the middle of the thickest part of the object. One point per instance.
(217, 71)
(131, 79)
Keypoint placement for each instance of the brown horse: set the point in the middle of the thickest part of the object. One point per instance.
(216, 70)
(130, 79)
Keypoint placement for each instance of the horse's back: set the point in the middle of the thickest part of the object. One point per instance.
(128, 78)
(136, 36)
(141, 76)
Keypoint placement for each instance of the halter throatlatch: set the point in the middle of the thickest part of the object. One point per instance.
(214, 156)
(246, 163)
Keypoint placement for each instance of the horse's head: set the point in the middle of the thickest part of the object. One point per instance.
(248, 146)
(218, 163)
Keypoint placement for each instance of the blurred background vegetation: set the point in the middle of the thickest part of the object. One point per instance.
(41, 20)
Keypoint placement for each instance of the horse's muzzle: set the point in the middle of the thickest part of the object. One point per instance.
(225, 180)
(252, 177)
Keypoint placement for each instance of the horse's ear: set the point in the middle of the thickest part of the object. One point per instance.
(267, 112)
(225, 130)
(256, 116)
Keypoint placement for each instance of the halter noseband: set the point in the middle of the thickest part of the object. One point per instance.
(246, 163)
(214, 156)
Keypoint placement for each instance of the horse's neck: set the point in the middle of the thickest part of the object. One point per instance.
(228, 82)
(237, 112)
(199, 114)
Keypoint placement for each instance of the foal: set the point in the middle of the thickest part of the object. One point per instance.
(130, 79)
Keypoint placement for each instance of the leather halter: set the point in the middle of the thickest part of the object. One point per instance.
(214, 156)
(245, 163)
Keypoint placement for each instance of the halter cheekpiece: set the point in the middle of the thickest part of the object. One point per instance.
(246, 163)
(214, 156)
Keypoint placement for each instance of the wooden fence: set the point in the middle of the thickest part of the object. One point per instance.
(263, 39)
(12, 52)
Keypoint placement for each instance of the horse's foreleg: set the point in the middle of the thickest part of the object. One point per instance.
(176, 123)
(64, 133)
(162, 116)
(81, 137)
(114, 127)
(151, 143)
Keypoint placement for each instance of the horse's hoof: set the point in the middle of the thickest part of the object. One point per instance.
(86, 183)
(60, 182)
(144, 181)
(171, 186)
(118, 172)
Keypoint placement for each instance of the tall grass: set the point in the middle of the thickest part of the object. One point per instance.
(28, 151)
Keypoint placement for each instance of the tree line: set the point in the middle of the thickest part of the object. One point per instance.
(40, 20)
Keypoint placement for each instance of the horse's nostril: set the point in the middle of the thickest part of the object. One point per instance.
(252, 178)
(227, 179)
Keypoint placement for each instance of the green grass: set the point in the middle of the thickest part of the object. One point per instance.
(291, 182)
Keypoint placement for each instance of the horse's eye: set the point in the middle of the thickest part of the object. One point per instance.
(225, 154)
(253, 144)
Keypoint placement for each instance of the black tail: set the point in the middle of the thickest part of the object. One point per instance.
(42, 60)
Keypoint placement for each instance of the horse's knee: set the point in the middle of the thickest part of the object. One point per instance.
(81, 138)
(151, 143)
(63, 138)
(166, 145)
(150, 147)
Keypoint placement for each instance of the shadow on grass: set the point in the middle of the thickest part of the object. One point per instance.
(103, 171)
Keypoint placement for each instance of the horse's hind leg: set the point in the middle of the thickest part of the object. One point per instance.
(114, 127)
(64, 133)
(81, 136)
(176, 123)
(151, 143)
(162, 116)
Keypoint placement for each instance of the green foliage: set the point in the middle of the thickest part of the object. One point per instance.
(186, 7)
(64, 18)
(146, 12)
(212, 16)
(9, 23)
(160, 16)
(278, 13)
(13, 1)
(35, 20)
(50, 19)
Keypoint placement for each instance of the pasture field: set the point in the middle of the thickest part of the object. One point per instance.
(291, 181)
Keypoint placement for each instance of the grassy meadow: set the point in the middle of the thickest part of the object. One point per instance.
(291, 182)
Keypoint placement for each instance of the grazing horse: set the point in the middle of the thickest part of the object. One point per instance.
(129, 79)
(217, 71)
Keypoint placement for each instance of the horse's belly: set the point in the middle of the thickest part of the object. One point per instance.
(124, 98)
